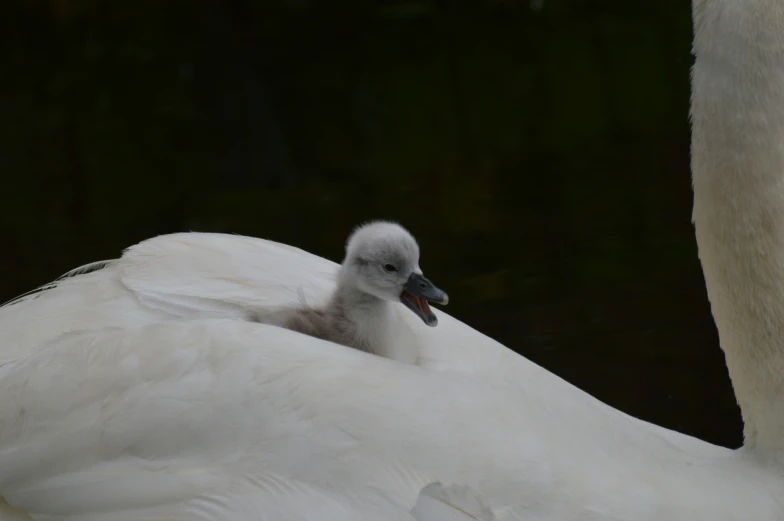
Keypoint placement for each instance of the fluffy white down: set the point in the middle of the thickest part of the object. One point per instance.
(134, 393)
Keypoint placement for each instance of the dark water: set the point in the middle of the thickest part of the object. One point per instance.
(537, 149)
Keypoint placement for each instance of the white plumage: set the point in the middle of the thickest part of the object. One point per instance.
(145, 396)
(437, 502)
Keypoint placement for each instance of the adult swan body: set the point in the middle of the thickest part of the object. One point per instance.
(136, 392)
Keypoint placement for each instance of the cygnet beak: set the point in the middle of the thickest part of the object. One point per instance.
(417, 292)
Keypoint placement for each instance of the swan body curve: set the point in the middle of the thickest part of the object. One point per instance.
(146, 396)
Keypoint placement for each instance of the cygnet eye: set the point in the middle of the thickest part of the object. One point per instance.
(389, 268)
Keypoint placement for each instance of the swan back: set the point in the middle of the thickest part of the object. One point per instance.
(171, 405)
(226, 419)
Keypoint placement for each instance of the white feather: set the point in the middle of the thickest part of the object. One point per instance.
(437, 502)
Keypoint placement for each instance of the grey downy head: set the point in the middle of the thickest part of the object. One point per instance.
(382, 259)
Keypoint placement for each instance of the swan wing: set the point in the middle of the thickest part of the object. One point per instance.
(185, 273)
(222, 419)
(231, 420)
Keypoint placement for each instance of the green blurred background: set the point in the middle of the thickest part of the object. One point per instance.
(538, 149)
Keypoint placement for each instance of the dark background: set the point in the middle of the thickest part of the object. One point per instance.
(538, 150)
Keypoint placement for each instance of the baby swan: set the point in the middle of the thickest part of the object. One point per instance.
(381, 268)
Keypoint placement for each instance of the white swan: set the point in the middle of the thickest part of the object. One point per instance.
(136, 392)
(381, 267)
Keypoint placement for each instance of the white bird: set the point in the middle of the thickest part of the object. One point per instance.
(138, 391)
(381, 268)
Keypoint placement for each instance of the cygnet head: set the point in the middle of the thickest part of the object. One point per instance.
(382, 259)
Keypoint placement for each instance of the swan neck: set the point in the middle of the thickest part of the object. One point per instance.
(738, 176)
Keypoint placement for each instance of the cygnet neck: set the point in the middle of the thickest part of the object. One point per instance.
(370, 318)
